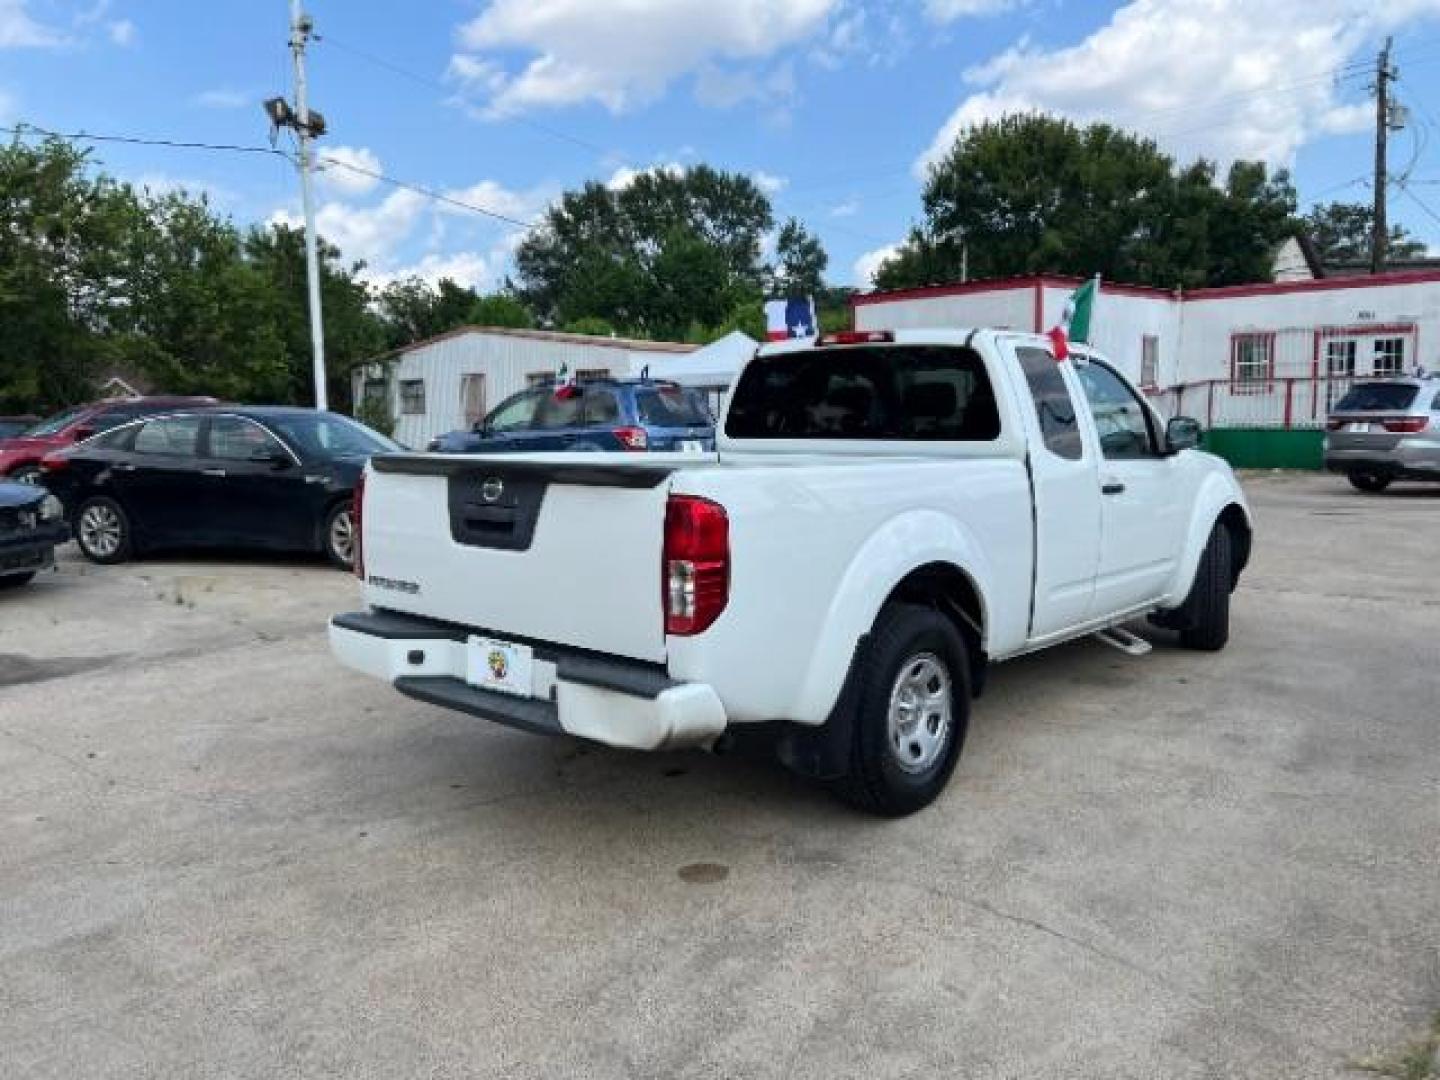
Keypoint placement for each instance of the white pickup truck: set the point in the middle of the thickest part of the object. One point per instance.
(886, 514)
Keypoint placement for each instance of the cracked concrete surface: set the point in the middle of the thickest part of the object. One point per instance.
(221, 855)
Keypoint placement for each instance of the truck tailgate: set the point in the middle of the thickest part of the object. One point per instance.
(564, 551)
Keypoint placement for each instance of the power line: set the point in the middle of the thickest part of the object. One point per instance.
(429, 193)
(437, 84)
(137, 140)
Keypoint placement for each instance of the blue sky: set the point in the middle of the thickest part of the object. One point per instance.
(833, 105)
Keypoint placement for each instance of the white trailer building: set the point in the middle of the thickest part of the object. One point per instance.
(452, 380)
(1265, 360)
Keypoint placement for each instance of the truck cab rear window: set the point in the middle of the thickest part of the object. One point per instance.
(924, 393)
(1377, 397)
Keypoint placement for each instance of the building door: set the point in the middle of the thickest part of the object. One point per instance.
(472, 399)
(1339, 369)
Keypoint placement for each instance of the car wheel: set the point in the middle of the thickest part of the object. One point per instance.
(1205, 622)
(14, 581)
(102, 531)
(26, 474)
(340, 535)
(1372, 482)
(912, 711)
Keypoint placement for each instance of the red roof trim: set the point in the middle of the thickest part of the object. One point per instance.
(1219, 292)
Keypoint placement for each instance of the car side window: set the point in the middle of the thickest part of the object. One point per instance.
(119, 438)
(601, 407)
(113, 418)
(1435, 405)
(557, 412)
(1054, 407)
(173, 435)
(233, 438)
(515, 414)
(1121, 419)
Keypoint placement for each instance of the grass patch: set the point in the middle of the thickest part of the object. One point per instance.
(1415, 1061)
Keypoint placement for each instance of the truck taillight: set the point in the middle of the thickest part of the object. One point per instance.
(1407, 425)
(632, 438)
(357, 517)
(695, 575)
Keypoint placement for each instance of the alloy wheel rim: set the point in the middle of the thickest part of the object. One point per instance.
(920, 716)
(342, 536)
(100, 531)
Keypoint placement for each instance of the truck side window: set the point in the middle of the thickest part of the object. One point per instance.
(1053, 405)
(1122, 422)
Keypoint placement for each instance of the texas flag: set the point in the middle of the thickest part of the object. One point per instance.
(793, 318)
(1074, 324)
(565, 382)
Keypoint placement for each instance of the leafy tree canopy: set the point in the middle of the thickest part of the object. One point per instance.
(1032, 193)
(1341, 233)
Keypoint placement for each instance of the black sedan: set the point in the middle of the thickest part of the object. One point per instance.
(31, 525)
(272, 478)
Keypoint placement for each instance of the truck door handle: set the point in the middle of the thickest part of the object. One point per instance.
(1113, 487)
(121, 466)
(213, 472)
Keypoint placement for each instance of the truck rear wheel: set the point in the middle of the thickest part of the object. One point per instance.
(911, 712)
(1369, 481)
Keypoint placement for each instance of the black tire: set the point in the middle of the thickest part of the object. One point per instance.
(886, 776)
(1371, 482)
(14, 581)
(102, 531)
(1206, 618)
(339, 519)
(26, 474)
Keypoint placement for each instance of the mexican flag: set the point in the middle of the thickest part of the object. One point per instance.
(1074, 322)
(565, 387)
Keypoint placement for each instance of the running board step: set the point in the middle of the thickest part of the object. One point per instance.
(1117, 637)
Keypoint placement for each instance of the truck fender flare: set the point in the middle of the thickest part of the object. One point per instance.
(1217, 495)
(901, 546)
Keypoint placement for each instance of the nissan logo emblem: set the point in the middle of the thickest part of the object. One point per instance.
(492, 489)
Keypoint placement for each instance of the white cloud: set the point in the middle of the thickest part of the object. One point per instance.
(623, 54)
(19, 30)
(863, 272)
(624, 176)
(222, 99)
(474, 269)
(848, 208)
(769, 183)
(340, 169)
(122, 32)
(950, 10)
(518, 205)
(1205, 77)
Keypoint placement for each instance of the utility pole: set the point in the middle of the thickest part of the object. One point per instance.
(1380, 227)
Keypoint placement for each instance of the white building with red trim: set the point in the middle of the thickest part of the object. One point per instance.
(1270, 355)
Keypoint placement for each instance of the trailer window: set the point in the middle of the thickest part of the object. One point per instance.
(925, 393)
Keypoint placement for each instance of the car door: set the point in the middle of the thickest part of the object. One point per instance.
(257, 490)
(160, 482)
(508, 427)
(1144, 493)
(558, 422)
(1064, 468)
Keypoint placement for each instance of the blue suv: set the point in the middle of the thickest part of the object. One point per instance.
(601, 414)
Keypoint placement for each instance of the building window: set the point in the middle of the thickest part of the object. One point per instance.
(1149, 361)
(377, 391)
(1252, 363)
(412, 397)
(1389, 356)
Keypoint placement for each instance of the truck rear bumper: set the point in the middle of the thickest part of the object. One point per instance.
(609, 700)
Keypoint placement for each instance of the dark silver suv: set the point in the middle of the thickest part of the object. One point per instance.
(1385, 430)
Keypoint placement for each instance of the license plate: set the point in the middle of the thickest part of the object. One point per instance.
(1361, 429)
(501, 666)
(692, 446)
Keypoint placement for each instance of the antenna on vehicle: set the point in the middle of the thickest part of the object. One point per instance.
(645, 372)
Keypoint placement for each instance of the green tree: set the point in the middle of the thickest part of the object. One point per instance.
(667, 251)
(800, 262)
(501, 309)
(1029, 193)
(62, 259)
(1341, 234)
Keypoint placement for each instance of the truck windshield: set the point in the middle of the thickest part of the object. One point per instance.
(1377, 397)
(926, 393)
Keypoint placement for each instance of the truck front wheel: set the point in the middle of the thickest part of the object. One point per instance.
(911, 712)
(1206, 622)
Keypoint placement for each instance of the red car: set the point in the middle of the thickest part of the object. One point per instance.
(20, 456)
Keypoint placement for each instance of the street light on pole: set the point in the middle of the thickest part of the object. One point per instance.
(307, 125)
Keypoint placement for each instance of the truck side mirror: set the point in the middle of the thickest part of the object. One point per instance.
(1181, 433)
